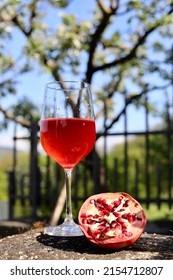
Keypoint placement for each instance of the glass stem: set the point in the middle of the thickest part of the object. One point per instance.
(68, 177)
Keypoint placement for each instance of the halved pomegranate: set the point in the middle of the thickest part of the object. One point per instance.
(112, 220)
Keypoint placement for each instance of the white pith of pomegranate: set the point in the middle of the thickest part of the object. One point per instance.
(112, 220)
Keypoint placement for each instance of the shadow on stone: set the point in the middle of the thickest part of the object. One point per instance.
(75, 244)
(162, 245)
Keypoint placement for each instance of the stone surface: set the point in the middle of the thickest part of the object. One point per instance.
(34, 245)
(12, 227)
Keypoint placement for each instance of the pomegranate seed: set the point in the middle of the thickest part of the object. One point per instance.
(90, 216)
(92, 201)
(136, 205)
(114, 224)
(124, 216)
(126, 203)
(116, 214)
(109, 207)
(105, 212)
(119, 220)
(101, 201)
(106, 230)
(124, 226)
(92, 222)
(101, 228)
(99, 208)
(104, 202)
(96, 216)
(84, 221)
(127, 233)
(95, 233)
(130, 219)
(83, 215)
(117, 227)
(129, 214)
(103, 223)
(117, 203)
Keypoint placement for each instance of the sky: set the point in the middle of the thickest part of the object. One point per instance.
(32, 85)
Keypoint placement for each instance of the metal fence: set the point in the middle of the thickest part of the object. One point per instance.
(162, 193)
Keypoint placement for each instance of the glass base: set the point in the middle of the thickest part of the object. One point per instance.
(67, 228)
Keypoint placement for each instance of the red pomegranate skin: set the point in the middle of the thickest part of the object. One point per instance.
(112, 220)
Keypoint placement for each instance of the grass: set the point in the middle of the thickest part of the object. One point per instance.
(156, 214)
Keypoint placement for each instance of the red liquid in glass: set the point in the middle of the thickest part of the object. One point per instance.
(67, 140)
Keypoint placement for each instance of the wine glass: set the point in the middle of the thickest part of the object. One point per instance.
(67, 134)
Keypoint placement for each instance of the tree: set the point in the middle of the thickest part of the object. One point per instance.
(126, 44)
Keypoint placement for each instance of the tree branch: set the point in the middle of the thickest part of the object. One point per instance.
(33, 14)
(131, 55)
(103, 7)
(133, 51)
(109, 10)
(107, 13)
(129, 101)
(19, 120)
